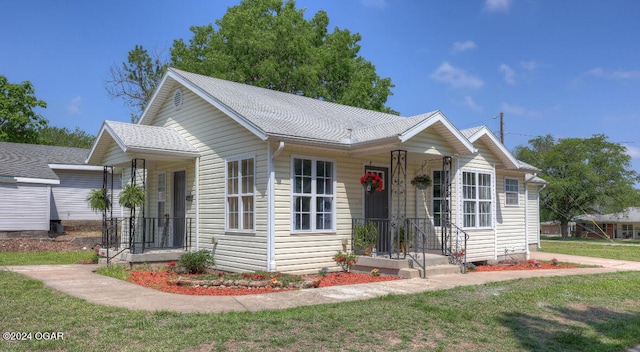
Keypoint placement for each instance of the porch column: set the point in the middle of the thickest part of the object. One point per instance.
(398, 194)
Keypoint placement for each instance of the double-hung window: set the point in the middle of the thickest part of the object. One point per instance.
(476, 199)
(511, 192)
(313, 195)
(240, 194)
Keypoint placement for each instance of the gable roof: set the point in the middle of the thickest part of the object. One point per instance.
(631, 214)
(271, 114)
(35, 163)
(141, 139)
(484, 134)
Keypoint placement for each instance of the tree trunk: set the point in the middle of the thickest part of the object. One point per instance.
(564, 228)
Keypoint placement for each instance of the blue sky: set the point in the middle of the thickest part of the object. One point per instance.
(568, 68)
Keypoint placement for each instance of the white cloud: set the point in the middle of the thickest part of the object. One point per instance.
(375, 3)
(517, 110)
(617, 75)
(455, 77)
(459, 47)
(529, 65)
(633, 152)
(497, 5)
(472, 104)
(509, 74)
(73, 107)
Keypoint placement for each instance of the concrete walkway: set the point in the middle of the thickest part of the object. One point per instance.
(80, 281)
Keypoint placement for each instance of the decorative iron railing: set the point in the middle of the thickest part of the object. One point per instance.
(148, 233)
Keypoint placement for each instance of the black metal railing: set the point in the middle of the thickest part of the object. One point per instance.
(148, 233)
(457, 249)
(382, 227)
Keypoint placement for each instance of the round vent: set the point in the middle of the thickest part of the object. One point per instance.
(177, 99)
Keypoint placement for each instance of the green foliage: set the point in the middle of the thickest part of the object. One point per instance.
(365, 235)
(136, 80)
(98, 200)
(115, 271)
(40, 258)
(63, 137)
(345, 260)
(196, 262)
(132, 196)
(19, 122)
(265, 43)
(585, 175)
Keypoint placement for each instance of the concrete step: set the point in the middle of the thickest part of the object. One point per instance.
(443, 269)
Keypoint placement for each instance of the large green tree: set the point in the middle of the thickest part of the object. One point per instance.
(64, 137)
(134, 81)
(269, 43)
(585, 175)
(18, 121)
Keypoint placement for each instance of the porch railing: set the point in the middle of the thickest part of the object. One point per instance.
(147, 233)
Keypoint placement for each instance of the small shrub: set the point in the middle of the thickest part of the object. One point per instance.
(375, 272)
(323, 272)
(345, 260)
(470, 266)
(196, 262)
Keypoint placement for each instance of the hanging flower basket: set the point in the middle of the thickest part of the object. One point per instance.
(372, 182)
(421, 181)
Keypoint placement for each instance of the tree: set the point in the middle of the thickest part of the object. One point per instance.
(18, 121)
(136, 80)
(268, 43)
(585, 175)
(63, 137)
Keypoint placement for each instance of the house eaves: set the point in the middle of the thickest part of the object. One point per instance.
(482, 133)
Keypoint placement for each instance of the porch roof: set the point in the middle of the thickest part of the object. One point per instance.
(141, 141)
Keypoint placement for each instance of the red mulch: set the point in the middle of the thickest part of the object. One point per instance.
(158, 280)
(528, 265)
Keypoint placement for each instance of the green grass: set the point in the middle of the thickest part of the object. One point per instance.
(588, 239)
(599, 250)
(590, 312)
(38, 258)
(114, 271)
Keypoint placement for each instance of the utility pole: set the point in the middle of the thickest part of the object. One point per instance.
(502, 127)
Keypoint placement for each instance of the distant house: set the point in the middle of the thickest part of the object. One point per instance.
(41, 186)
(267, 180)
(625, 224)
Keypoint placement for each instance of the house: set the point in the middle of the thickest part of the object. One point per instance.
(625, 224)
(267, 180)
(44, 187)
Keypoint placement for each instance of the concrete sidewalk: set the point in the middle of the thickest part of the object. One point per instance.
(80, 281)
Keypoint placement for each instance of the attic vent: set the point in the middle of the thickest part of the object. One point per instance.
(177, 99)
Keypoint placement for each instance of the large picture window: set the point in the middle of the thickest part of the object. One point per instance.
(240, 194)
(511, 192)
(313, 195)
(476, 199)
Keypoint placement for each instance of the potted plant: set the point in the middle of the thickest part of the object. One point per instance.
(421, 181)
(365, 237)
(372, 182)
(132, 196)
(402, 243)
(98, 200)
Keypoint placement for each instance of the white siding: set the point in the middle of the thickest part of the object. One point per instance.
(511, 236)
(68, 199)
(24, 207)
(533, 213)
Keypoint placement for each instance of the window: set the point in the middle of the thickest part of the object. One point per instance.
(476, 199)
(511, 192)
(162, 197)
(240, 194)
(313, 195)
(627, 230)
(437, 198)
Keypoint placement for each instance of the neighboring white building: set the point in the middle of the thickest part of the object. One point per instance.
(271, 181)
(41, 185)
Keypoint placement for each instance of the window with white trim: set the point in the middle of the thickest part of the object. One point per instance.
(162, 197)
(627, 230)
(241, 194)
(476, 199)
(511, 192)
(313, 195)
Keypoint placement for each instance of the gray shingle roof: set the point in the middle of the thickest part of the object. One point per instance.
(32, 161)
(628, 215)
(282, 114)
(149, 138)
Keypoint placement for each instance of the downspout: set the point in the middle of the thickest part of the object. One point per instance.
(526, 216)
(538, 232)
(271, 202)
(197, 201)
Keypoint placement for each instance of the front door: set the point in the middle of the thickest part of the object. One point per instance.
(376, 206)
(179, 208)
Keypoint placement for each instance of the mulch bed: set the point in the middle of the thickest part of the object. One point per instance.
(160, 280)
(523, 265)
